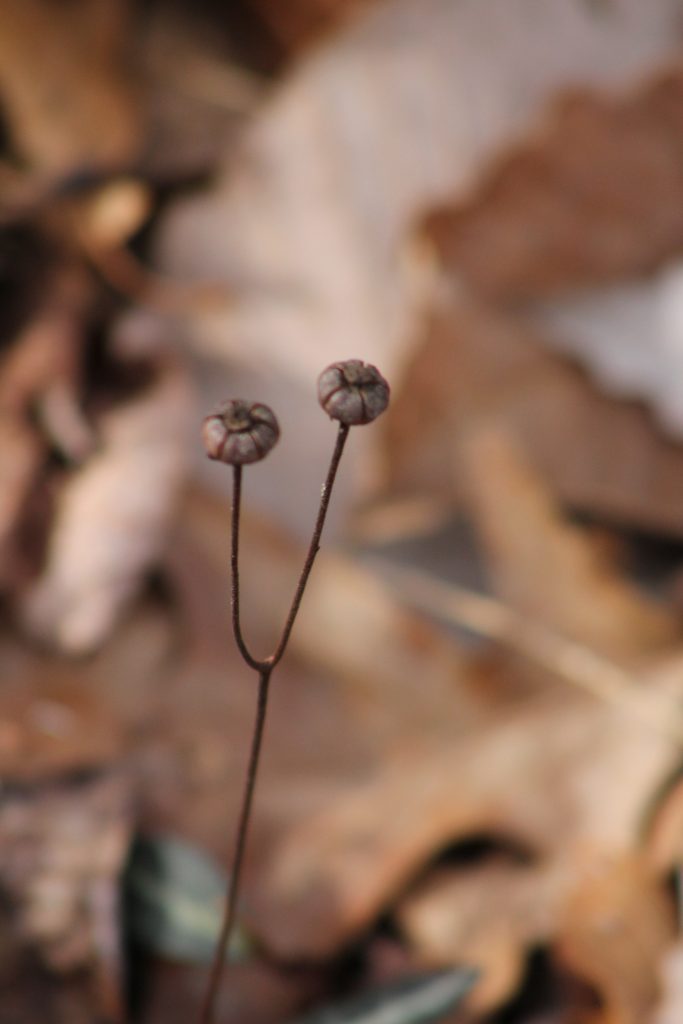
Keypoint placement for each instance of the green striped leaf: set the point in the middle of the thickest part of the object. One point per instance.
(174, 897)
(420, 999)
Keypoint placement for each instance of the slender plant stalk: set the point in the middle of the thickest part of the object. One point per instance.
(245, 812)
(235, 571)
(265, 669)
(314, 546)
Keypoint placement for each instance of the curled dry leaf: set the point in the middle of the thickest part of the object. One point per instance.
(113, 515)
(546, 567)
(606, 917)
(486, 916)
(48, 347)
(39, 374)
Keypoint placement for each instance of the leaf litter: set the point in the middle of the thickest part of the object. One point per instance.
(454, 778)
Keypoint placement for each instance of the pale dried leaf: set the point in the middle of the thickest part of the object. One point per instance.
(109, 216)
(113, 515)
(310, 227)
(49, 346)
(349, 188)
(487, 916)
(670, 1010)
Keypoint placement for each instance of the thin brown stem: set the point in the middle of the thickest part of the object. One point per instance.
(251, 661)
(314, 546)
(208, 1007)
(264, 669)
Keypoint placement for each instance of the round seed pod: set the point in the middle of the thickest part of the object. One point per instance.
(240, 432)
(353, 392)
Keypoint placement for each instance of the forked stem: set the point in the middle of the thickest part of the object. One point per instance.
(265, 670)
(314, 545)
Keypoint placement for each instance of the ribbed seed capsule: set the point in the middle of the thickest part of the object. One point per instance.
(353, 392)
(240, 432)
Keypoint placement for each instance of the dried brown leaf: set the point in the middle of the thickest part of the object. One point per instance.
(312, 228)
(63, 84)
(302, 21)
(600, 454)
(544, 566)
(21, 455)
(487, 917)
(350, 188)
(580, 202)
(430, 757)
(113, 515)
(49, 346)
(549, 775)
(614, 930)
(52, 725)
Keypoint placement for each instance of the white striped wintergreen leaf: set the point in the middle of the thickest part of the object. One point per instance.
(421, 999)
(174, 897)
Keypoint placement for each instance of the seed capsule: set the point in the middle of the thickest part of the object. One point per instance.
(353, 392)
(240, 432)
